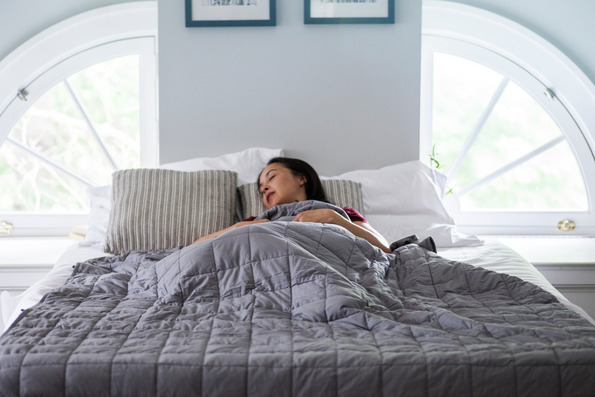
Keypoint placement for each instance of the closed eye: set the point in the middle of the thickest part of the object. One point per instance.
(262, 191)
(270, 174)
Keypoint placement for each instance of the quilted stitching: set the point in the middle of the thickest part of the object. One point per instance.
(296, 309)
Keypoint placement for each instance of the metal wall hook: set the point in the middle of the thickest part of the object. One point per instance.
(22, 94)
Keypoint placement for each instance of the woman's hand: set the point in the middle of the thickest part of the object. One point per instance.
(358, 228)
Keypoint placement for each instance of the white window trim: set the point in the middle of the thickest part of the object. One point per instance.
(572, 88)
(57, 46)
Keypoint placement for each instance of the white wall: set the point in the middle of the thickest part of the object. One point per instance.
(340, 97)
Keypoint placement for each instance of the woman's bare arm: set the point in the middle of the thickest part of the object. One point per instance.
(235, 226)
(358, 228)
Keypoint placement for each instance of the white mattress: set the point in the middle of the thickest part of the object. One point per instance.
(492, 255)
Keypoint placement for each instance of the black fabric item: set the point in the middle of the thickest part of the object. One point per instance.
(295, 309)
(427, 243)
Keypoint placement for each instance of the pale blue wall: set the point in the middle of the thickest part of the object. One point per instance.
(569, 25)
(338, 96)
(22, 19)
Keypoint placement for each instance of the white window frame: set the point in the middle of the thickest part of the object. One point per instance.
(506, 46)
(63, 49)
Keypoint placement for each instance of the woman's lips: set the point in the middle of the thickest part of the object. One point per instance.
(268, 197)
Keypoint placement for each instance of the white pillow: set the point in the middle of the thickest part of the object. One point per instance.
(101, 203)
(247, 164)
(406, 188)
(395, 227)
(404, 199)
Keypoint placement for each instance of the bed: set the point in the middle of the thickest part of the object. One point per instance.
(285, 308)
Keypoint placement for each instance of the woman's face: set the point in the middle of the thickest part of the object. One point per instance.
(278, 185)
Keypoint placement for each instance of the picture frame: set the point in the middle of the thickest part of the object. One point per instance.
(349, 11)
(210, 13)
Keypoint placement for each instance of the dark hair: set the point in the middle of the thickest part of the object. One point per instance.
(314, 189)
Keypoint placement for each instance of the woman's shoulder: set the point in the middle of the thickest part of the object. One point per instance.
(354, 215)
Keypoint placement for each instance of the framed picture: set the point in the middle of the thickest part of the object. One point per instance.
(230, 13)
(349, 11)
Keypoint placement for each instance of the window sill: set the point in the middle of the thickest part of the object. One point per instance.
(553, 250)
(25, 252)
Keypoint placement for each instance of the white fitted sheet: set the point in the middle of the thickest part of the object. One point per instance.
(492, 255)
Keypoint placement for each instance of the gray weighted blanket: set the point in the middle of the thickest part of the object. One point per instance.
(295, 309)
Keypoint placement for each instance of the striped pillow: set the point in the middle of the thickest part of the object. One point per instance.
(341, 192)
(156, 209)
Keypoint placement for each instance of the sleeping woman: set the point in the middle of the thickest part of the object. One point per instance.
(286, 180)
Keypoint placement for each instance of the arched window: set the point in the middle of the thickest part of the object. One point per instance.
(78, 102)
(503, 128)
